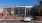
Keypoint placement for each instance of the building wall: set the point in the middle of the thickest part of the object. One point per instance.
(21, 11)
(4, 11)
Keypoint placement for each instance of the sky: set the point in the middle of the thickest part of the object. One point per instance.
(18, 2)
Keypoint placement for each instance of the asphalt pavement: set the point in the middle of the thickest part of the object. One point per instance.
(13, 21)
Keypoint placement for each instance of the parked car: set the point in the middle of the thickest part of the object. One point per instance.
(27, 18)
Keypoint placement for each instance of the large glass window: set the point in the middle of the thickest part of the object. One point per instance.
(19, 11)
(28, 10)
(8, 11)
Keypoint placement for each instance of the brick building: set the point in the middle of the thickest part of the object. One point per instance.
(15, 13)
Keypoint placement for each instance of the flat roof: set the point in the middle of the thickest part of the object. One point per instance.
(25, 6)
(15, 6)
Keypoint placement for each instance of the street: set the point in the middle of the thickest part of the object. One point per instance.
(8, 21)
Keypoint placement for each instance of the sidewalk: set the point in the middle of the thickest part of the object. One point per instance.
(38, 21)
(35, 21)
